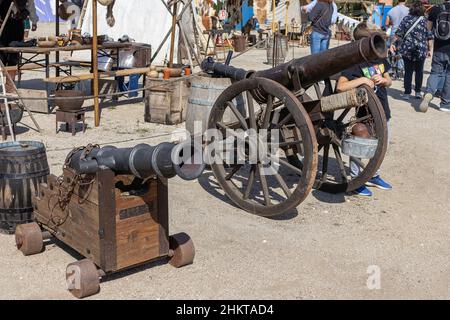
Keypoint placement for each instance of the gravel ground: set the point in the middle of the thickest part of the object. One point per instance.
(322, 250)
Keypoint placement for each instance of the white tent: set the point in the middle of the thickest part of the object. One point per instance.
(293, 11)
(145, 21)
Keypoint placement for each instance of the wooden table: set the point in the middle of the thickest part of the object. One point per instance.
(36, 61)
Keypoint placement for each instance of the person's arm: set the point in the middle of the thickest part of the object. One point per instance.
(345, 85)
(382, 80)
(388, 21)
(308, 8)
(335, 16)
(33, 15)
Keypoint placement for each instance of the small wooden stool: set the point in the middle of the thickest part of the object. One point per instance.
(71, 118)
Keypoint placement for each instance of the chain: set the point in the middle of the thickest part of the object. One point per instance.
(66, 187)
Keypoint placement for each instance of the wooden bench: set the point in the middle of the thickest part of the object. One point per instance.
(28, 66)
(101, 75)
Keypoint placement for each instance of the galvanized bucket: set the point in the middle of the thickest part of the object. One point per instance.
(358, 147)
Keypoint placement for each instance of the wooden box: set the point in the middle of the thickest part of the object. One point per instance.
(115, 221)
(166, 101)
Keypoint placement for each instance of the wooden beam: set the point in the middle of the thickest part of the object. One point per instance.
(172, 36)
(95, 63)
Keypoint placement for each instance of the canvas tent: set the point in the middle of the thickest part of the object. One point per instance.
(142, 20)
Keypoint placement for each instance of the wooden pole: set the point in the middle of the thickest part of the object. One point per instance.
(57, 32)
(273, 15)
(172, 36)
(286, 21)
(95, 63)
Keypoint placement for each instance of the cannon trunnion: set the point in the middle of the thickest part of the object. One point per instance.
(300, 129)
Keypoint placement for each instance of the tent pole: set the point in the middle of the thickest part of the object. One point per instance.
(95, 62)
(273, 15)
(57, 31)
(172, 36)
(286, 18)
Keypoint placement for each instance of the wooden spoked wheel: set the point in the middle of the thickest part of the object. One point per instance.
(82, 278)
(29, 238)
(252, 166)
(334, 174)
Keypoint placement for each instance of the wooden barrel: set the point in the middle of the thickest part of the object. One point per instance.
(23, 166)
(203, 95)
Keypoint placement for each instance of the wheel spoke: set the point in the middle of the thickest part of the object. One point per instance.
(285, 120)
(340, 162)
(238, 115)
(227, 130)
(251, 180)
(269, 109)
(285, 163)
(251, 111)
(287, 143)
(264, 186)
(233, 172)
(343, 115)
(283, 185)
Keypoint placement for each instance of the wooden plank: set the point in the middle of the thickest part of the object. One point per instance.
(137, 227)
(90, 76)
(28, 66)
(107, 217)
(40, 50)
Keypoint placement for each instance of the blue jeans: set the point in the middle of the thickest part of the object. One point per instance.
(319, 42)
(440, 77)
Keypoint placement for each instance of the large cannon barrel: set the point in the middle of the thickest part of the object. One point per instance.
(164, 160)
(312, 68)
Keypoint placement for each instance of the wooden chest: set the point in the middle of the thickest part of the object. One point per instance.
(115, 221)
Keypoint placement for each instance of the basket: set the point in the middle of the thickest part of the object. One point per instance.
(358, 147)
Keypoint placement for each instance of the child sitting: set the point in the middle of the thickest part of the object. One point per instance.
(375, 74)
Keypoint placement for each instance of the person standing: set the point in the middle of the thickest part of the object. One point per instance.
(415, 46)
(439, 22)
(32, 20)
(321, 20)
(308, 8)
(395, 16)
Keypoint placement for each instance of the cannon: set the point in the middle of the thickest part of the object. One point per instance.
(311, 124)
(111, 206)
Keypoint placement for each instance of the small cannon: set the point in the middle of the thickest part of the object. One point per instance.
(111, 206)
(279, 100)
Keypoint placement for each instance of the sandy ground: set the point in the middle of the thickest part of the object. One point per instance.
(323, 250)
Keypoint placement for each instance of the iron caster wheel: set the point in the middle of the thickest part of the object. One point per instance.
(29, 238)
(82, 278)
(182, 250)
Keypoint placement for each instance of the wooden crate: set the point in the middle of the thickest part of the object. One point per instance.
(166, 101)
(113, 221)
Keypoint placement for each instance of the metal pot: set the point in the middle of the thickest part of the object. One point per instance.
(69, 104)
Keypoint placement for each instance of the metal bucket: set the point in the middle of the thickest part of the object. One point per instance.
(358, 147)
(277, 49)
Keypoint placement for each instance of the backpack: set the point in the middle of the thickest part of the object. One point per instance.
(442, 30)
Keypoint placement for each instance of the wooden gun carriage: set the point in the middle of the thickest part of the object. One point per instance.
(310, 130)
(111, 206)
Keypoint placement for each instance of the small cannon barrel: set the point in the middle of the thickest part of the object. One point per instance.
(164, 160)
(312, 68)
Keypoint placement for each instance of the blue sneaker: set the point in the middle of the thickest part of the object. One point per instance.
(379, 183)
(363, 191)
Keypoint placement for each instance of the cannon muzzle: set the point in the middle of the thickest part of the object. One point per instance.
(165, 160)
(312, 68)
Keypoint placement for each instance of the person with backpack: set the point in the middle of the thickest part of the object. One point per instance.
(321, 17)
(413, 41)
(439, 23)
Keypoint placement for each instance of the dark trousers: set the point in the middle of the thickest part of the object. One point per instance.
(410, 68)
